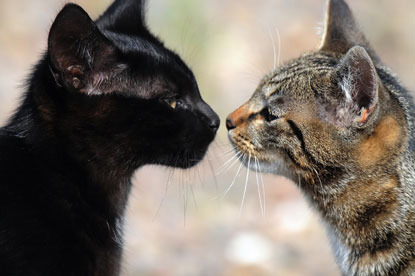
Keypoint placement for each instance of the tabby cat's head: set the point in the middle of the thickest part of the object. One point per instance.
(324, 112)
(119, 93)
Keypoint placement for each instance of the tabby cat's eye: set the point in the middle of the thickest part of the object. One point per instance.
(267, 114)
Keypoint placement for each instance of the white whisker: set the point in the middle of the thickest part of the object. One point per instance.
(233, 181)
(224, 166)
(257, 183)
(273, 48)
(263, 187)
(321, 184)
(227, 152)
(212, 171)
(169, 177)
(246, 185)
(230, 166)
(279, 45)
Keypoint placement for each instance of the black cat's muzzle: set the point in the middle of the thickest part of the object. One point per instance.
(208, 116)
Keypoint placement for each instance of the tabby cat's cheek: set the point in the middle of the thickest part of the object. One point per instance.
(385, 140)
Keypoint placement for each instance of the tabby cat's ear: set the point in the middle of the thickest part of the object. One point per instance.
(341, 31)
(357, 78)
(76, 48)
(124, 16)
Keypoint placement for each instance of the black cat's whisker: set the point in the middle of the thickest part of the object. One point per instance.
(212, 171)
(201, 179)
(192, 192)
(183, 195)
(246, 185)
(166, 189)
(257, 183)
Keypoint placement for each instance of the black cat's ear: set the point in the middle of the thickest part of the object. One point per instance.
(341, 31)
(357, 78)
(124, 16)
(76, 48)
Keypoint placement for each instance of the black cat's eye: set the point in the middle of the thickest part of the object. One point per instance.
(173, 102)
(267, 114)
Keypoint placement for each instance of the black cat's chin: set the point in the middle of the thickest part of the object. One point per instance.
(187, 158)
(191, 160)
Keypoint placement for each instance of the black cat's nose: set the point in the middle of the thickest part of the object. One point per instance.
(229, 124)
(214, 124)
(209, 116)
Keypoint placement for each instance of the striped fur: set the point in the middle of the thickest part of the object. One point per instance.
(344, 127)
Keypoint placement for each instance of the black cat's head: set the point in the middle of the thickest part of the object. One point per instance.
(119, 94)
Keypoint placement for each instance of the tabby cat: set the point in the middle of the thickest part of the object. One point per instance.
(343, 127)
(106, 98)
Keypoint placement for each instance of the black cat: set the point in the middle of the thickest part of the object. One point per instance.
(106, 99)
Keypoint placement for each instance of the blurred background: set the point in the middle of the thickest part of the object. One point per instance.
(181, 222)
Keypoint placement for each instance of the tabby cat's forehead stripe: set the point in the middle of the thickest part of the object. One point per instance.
(288, 77)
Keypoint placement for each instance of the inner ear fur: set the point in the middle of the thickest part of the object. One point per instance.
(358, 80)
(76, 47)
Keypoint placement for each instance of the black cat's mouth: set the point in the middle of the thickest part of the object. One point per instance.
(187, 159)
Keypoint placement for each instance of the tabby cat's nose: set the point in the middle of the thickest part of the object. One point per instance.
(230, 124)
(237, 117)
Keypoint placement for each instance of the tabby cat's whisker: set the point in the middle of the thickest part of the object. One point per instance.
(233, 181)
(246, 185)
(263, 186)
(321, 184)
(279, 45)
(257, 183)
(225, 166)
(230, 151)
(273, 48)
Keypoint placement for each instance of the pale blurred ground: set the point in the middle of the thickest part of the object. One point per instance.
(185, 228)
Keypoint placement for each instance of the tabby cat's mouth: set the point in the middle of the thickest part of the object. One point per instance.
(258, 159)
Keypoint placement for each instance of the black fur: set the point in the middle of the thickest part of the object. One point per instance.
(106, 98)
